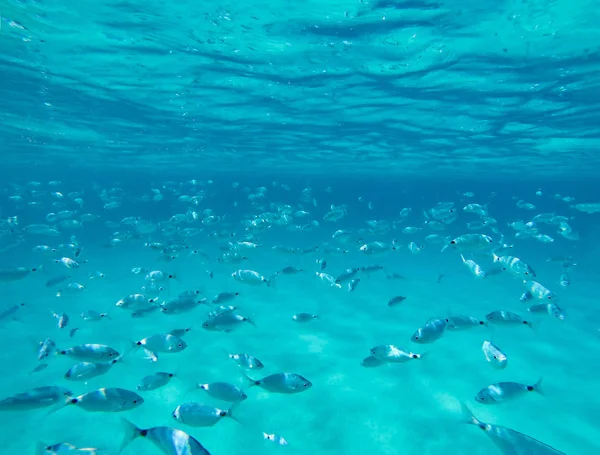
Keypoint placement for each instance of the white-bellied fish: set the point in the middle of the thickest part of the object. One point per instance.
(510, 442)
(169, 441)
(494, 355)
(287, 383)
(506, 391)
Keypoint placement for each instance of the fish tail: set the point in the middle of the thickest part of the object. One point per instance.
(233, 407)
(251, 382)
(40, 448)
(67, 402)
(537, 387)
(468, 416)
(131, 433)
(250, 320)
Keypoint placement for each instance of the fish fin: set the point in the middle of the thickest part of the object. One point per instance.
(444, 248)
(131, 432)
(233, 407)
(250, 320)
(40, 448)
(151, 356)
(463, 258)
(467, 415)
(251, 382)
(60, 406)
(537, 387)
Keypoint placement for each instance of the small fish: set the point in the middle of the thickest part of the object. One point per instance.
(395, 301)
(564, 280)
(287, 383)
(352, 284)
(322, 263)
(225, 322)
(276, 439)
(223, 297)
(154, 381)
(162, 342)
(91, 315)
(510, 442)
(57, 280)
(73, 332)
(223, 391)
(505, 391)
(371, 362)
(47, 347)
(199, 415)
(112, 399)
(39, 397)
(473, 267)
(10, 311)
(494, 355)
(392, 354)
(91, 352)
(431, 331)
(246, 361)
(507, 318)
(40, 367)
(458, 323)
(169, 441)
(62, 319)
(87, 370)
(304, 317)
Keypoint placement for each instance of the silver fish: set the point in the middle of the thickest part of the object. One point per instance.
(392, 354)
(282, 383)
(225, 322)
(199, 415)
(507, 318)
(457, 323)
(91, 352)
(88, 370)
(505, 391)
(431, 331)
(154, 381)
(494, 355)
(169, 441)
(112, 399)
(510, 442)
(304, 317)
(223, 391)
(246, 361)
(39, 397)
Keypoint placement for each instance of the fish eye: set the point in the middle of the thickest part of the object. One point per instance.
(416, 337)
(453, 242)
(179, 345)
(135, 401)
(495, 357)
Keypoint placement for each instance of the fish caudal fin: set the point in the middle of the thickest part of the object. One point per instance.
(537, 387)
(251, 382)
(131, 433)
(467, 415)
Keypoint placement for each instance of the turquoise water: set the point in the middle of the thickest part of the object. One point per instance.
(150, 137)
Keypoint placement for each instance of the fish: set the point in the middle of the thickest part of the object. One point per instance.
(154, 381)
(111, 399)
(506, 391)
(509, 442)
(200, 415)
(494, 355)
(246, 361)
(392, 354)
(169, 441)
(460, 322)
(304, 317)
(432, 330)
(503, 317)
(395, 301)
(286, 383)
(223, 391)
(91, 352)
(39, 397)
